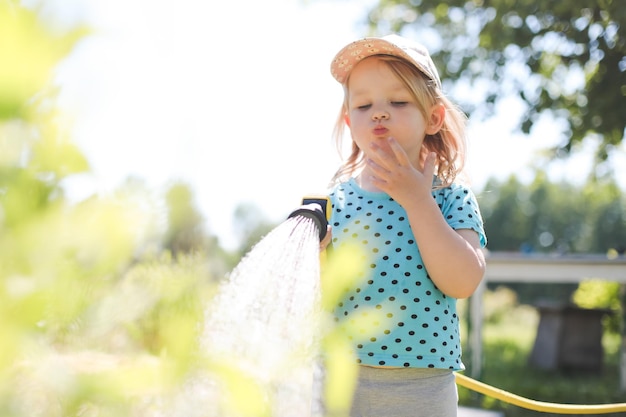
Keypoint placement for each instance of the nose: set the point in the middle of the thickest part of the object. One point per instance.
(379, 115)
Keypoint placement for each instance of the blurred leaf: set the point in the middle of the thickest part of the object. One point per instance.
(341, 373)
(28, 51)
(54, 154)
(339, 272)
(243, 395)
(597, 293)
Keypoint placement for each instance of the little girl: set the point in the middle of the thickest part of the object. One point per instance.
(398, 197)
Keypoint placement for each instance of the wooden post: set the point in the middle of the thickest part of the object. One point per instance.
(476, 330)
(623, 344)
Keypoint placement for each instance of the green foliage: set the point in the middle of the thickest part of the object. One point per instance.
(554, 217)
(601, 294)
(169, 295)
(498, 303)
(86, 329)
(187, 235)
(185, 232)
(338, 273)
(102, 344)
(561, 58)
(95, 319)
(28, 51)
(597, 294)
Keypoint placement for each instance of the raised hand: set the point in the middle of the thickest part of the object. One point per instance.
(393, 172)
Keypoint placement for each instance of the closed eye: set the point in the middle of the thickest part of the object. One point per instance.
(399, 103)
(364, 107)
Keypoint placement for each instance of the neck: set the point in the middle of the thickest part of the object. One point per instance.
(363, 180)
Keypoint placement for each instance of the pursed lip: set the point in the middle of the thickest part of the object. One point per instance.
(380, 130)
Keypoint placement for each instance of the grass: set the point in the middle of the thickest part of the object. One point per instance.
(508, 337)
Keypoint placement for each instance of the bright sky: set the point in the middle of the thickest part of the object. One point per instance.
(235, 98)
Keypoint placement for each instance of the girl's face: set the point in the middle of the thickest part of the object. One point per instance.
(381, 106)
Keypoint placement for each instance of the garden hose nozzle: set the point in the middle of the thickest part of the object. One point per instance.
(317, 209)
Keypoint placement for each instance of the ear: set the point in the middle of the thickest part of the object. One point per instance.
(346, 119)
(436, 119)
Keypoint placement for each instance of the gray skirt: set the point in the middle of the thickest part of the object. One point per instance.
(405, 392)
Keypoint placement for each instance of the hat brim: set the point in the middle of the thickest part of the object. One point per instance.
(350, 55)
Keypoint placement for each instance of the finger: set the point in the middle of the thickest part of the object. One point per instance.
(329, 236)
(401, 157)
(429, 164)
(382, 157)
(377, 165)
(376, 169)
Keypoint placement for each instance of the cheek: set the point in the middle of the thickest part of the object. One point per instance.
(357, 120)
(358, 129)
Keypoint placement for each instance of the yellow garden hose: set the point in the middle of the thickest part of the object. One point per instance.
(510, 398)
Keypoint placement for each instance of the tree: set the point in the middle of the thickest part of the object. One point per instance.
(548, 217)
(185, 232)
(566, 59)
(554, 217)
(506, 204)
(606, 216)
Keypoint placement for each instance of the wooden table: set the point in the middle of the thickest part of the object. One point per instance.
(507, 267)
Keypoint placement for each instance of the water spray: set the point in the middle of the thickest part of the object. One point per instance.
(264, 322)
(317, 209)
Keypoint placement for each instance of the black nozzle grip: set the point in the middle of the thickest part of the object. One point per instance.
(315, 212)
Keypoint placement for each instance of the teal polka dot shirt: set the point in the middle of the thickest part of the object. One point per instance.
(394, 314)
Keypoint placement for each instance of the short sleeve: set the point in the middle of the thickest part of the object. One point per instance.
(459, 207)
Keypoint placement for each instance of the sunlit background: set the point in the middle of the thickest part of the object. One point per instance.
(236, 99)
(109, 299)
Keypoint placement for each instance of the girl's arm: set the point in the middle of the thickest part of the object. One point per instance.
(454, 259)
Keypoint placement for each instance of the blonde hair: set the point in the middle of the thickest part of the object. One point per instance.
(449, 143)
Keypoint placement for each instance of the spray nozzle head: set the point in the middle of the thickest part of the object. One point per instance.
(316, 212)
